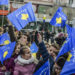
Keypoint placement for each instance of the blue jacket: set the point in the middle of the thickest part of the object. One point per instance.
(46, 55)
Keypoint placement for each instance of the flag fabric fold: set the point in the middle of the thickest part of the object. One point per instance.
(34, 48)
(69, 66)
(69, 43)
(6, 51)
(59, 18)
(44, 69)
(4, 39)
(22, 16)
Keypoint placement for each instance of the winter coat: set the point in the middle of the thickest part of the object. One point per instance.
(9, 64)
(2, 72)
(24, 67)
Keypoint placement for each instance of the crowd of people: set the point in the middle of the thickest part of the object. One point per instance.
(23, 63)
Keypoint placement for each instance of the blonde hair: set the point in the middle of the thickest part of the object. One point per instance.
(22, 50)
(25, 47)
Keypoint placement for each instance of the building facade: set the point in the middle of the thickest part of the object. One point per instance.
(45, 8)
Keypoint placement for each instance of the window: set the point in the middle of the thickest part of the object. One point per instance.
(18, 0)
(70, 1)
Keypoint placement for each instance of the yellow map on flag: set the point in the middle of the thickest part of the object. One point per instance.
(24, 16)
(59, 20)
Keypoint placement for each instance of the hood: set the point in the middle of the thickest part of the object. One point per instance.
(21, 61)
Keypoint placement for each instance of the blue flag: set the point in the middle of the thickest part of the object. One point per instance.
(4, 2)
(65, 48)
(43, 70)
(34, 48)
(69, 30)
(59, 18)
(4, 39)
(22, 16)
(69, 43)
(6, 51)
(69, 66)
(71, 35)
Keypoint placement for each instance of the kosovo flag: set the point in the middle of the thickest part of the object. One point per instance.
(6, 51)
(69, 66)
(34, 48)
(22, 16)
(43, 70)
(59, 18)
(4, 39)
(4, 2)
(65, 48)
(69, 30)
(69, 43)
(71, 34)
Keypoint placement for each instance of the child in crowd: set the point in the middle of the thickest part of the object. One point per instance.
(56, 69)
(59, 64)
(44, 53)
(25, 64)
(53, 50)
(23, 40)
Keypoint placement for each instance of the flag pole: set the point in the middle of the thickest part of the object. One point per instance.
(9, 6)
(9, 9)
(3, 16)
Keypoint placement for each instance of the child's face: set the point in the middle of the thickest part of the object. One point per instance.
(51, 50)
(27, 54)
(23, 40)
(17, 50)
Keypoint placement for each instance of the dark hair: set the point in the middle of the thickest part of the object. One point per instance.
(65, 55)
(19, 35)
(59, 30)
(11, 34)
(60, 40)
(61, 61)
(55, 46)
(17, 43)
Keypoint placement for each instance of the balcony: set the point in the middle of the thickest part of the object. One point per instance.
(63, 3)
(42, 2)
